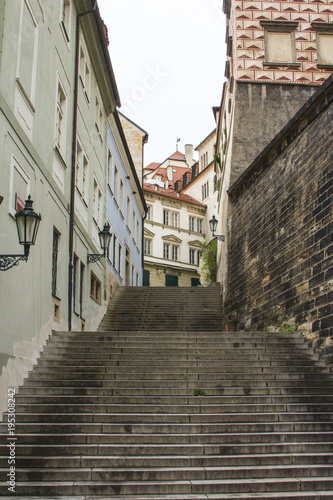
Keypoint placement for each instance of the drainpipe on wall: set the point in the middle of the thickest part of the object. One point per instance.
(72, 197)
(144, 141)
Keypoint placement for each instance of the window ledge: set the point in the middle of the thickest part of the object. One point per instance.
(325, 66)
(60, 157)
(282, 64)
(25, 96)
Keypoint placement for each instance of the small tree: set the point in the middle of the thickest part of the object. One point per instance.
(208, 262)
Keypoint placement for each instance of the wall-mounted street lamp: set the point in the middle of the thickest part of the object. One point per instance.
(27, 223)
(104, 241)
(213, 225)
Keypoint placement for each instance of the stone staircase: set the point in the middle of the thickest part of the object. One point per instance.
(162, 309)
(114, 412)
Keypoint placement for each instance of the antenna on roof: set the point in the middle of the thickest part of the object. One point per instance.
(178, 140)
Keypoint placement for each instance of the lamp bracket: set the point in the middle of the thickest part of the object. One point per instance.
(94, 257)
(219, 237)
(9, 261)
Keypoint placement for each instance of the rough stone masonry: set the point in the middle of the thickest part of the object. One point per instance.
(281, 239)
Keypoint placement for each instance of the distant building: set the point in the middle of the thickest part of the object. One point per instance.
(173, 235)
(125, 211)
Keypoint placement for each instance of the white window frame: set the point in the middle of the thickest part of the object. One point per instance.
(192, 256)
(82, 172)
(30, 96)
(191, 223)
(175, 252)
(166, 217)
(84, 70)
(110, 169)
(148, 246)
(174, 219)
(166, 251)
(61, 114)
(65, 18)
(97, 203)
(149, 216)
(99, 115)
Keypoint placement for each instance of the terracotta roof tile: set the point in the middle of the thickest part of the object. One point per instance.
(149, 188)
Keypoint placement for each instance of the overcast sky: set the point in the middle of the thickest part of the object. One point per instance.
(168, 58)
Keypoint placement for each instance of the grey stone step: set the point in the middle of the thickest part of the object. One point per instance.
(175, 487)
(171, 428)
(178, 439)
(114, 412)
(172, 474)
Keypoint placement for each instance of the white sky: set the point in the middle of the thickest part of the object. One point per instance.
(168, 58)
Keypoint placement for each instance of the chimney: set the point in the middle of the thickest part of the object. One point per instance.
(189, 154)
(169, 173)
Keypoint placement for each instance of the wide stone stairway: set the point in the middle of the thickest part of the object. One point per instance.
(161, 404)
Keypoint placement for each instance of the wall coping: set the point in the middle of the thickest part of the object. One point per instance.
(306, 114)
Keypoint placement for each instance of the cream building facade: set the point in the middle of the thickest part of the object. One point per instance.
(173, 234)
(54, 143)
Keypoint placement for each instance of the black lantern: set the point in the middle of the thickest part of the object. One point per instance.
(27, 223)
(213, 225)
(104, 241)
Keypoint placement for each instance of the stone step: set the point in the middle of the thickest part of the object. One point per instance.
(171, 428)
(112, 346)
(169, 418)
(227, 438)
(93, 473)
(113, 412)
(120, 461)
(173, 487)
(158, 449)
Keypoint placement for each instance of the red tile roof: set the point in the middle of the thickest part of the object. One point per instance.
(151, 166)
(177, 156)
(149, 188)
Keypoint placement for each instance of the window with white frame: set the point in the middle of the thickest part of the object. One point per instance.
(120, 267)
(128, 213)
(175, 252)
(166, 251)
(166, 217)
(137, 230)
(133, 224)
(116, 184)
(61, 119)
(199, 226)
(149, 213)
(99, 116)
(192, 223)
(205, 190)
(121, 195)
(81, 172)
(114, 253)
(137, 278)
(97, 203)
(28, 40)
(85, 72)
(192, 256)
(110, 168)
(175, 219)
(66, 18)
(199, 254)
(147, 246)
